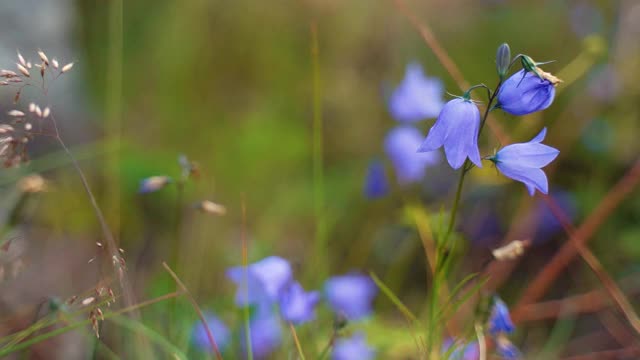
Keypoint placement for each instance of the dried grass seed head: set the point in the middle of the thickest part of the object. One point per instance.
(15, 113)
(67, 67)
(21, 59)
(43, 57)
(23, 69)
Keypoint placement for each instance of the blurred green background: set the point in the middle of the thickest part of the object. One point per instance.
(230, 85)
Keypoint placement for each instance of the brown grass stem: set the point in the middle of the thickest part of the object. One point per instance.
(579, 237)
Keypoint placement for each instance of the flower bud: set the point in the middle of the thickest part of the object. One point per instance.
(503, 59)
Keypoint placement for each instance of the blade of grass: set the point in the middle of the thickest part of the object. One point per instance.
(394, 299)
(296, 341)
(138, 327)
(39, 338)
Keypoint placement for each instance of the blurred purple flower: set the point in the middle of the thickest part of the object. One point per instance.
(500, 320)
(296, 305)
(506, 349)
(547, 223)
(522, 162)
(265, 333)
(456, 129)
(376, 184)
(353, 348)
(461, 352)
(351, 295)
(219, 330)
(585, 19)
(263, 281)
(605, 84)
(518, 96)
(401, 146)
(418, 97)
(153, 183)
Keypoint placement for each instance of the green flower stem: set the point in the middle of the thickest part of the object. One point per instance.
(466, 167)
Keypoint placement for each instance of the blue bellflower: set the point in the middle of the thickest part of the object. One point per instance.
(523, 162)
(353, 348)
(296, 305)
(376, 184)
(418, 97)
(400, 145)
(500, 320)
(522, 96)
(351, 295)
(265, 332)
(262, 281)
(456, 129)
(219, 330)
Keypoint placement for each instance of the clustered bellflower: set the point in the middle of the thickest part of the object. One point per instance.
(267, 285)
(523, 162)
(456, 129)
(416, 98)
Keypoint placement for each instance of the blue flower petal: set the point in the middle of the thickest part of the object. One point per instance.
(500, 320)
(456, 129)
(262, 280)
(353, 348)
(533, 178)
(522, 96)
(351, 295)
(522, 162)
(219, 330)
(298, 306)
(265, 332)
(401, 145)
(418, 97)
(506, 350)
(376, 184)
(528, 154)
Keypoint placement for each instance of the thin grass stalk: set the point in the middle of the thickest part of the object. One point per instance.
(245, 265)
(39, 338)
(196, 307)
(296, 341)
(113, 108)
(318, 171)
